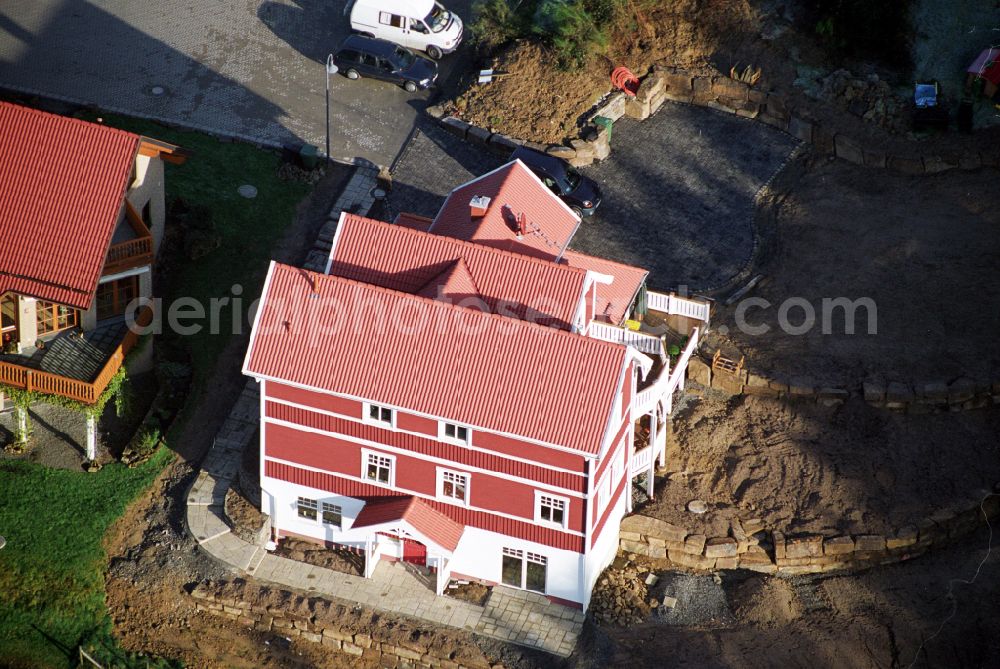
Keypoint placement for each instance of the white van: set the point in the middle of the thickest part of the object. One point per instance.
(418, 24)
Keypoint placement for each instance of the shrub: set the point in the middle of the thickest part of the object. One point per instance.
(880, 30)
(497, 22)
(570, 29)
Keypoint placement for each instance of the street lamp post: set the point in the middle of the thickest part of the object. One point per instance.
(330, 69)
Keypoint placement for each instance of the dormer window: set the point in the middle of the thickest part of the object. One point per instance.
(380, 415)
(455, 433)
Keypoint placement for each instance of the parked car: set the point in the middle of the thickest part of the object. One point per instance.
(583, 195)
(424, 25)
(360, 57)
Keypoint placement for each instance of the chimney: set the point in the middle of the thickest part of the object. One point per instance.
(479, 205)
(522, 225)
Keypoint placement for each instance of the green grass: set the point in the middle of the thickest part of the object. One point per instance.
(52, 570)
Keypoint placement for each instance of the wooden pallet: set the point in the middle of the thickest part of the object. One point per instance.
(721, 364)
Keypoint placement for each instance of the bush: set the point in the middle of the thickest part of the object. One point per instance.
(571, 30)
(497, 23)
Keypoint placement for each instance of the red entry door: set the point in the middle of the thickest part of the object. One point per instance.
(414, 552)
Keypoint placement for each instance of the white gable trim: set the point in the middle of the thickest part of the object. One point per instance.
(333, 244)
(256, 321)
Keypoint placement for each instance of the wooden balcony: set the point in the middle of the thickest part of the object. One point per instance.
(29, 374)
(136, 252)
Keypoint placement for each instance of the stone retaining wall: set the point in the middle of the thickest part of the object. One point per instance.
(750, 545)
(336, 627)
(962, 394)
(722, 93)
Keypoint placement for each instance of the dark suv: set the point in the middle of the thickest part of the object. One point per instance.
(581, 194)
(379, 59)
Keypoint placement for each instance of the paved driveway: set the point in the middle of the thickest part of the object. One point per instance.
(243, 68)
(678, 190)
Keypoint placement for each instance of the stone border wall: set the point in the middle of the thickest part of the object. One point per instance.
(750, 546)
(317, 621)
(725, 94)
(962, 394)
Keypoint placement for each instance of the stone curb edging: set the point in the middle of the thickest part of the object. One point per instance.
(961, 394)
(750, 546)
(727, 95)
(298, 619)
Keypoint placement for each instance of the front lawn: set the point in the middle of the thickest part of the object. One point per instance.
(52, 570)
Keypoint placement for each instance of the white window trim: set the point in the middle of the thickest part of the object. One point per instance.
(322, 509)
(441, 471)
(538, 509)
(366, 417)
(314, 508)
(365, 453)
(454, 440)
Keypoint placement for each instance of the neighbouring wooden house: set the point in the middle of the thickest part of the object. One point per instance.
(81, 221)
(461, 394)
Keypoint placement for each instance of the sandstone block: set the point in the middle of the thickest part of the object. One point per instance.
(848, 149)
(699, 371)
(838, 546)
(800, 128)
(801, 547)
(351, 649)
(727, 562)
(874, 391)
(801, 386)
(869, 542)
(906, 165)
(779, 544)
(694, 544)
(691, 561)
(648, 526)
(961, 390)
(718, 547)
(903, 538)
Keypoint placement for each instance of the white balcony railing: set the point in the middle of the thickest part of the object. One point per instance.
(639, 340)
(641, 460)
(678, 306)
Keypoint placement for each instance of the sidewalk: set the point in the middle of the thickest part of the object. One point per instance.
(515, 616)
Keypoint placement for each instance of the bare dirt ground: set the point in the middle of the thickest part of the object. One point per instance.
(803, 467)
(925, 250)
(876, 619)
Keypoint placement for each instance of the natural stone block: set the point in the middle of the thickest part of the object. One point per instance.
(898, 395)
(652, 527)
(800, 128)
(725, 87)
(727, 383)
(694, 544)
(832, 396)
(560, 151)
(352, 649)
(848, 149)
(727, 562)
(838, 546)
(455, 126)
(874, 391)
(801, 386)
(720, 105)
(691, 561)
(869, 542)
(614, 108)
(970, 161)
(906, 165)
(904, 537)
(505, 143)
(779, 544)
(312, 636)
(802, 547)
(636, 109)
(822, 139)
(935, 392)
(637, 547)
(678, 83)
(779, 386)
(699, 371)
(777, 106)
(935, 164)
(718, 547)
(961, 390)
(874, 158)
(363, 640)
(774, 121)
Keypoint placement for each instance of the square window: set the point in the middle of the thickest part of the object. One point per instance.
(379, 414)
(332, 515)
(457, 433)
(378, 468)
(552, 510)
(453, 486)
(306, 508)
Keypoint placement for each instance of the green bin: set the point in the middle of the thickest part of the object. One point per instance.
(604, 122)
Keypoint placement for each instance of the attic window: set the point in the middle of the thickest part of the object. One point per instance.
(455, 433)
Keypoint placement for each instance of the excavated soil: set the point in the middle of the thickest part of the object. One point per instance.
(924, 250)
(802, 467)
(540, 102)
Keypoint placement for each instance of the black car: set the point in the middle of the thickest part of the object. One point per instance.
(581, 194)
(379, 59)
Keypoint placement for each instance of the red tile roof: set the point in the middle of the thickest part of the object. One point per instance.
(483, 370)
(430, 522)
(417, 262)
(62, 182)
(614, 300)
(414, 221)
(514, 191)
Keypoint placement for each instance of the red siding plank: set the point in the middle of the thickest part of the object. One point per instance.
(338, 405)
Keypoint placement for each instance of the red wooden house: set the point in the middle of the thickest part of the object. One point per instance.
(463, 398)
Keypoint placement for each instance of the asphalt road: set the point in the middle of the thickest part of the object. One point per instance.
(242, 68)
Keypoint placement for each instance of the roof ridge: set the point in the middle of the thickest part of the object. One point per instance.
(398, 294)
(66, 119)
(467, 243)
(600, 259)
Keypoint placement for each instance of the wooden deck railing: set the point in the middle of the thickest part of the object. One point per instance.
(54, 384)
(135, 252)
(680, 306)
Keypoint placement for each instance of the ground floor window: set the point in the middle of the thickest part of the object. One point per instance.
(523, 569)
(52, 317)
(114, 296)
(332, 515)
(8, 318)
(307, 508)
